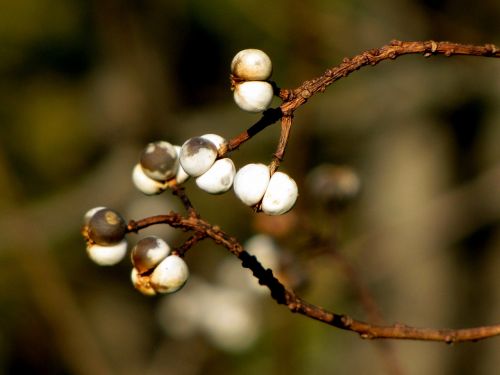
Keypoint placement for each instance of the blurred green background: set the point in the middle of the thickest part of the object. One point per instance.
(84, 85)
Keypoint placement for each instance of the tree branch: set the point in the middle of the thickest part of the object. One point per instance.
(296, 304)
(292, 99)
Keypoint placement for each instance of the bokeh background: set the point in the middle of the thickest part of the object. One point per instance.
(84, 85)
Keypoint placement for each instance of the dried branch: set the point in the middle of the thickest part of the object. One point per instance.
(292, 99)
(297, 305)
(180, 192)
(269, 117)
(286, 125)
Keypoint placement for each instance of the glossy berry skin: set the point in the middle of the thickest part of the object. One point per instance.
(197, 156)
(219, 178)
(251, 65)
(148, 253)
(281, 194)
(216, 139)
(144, 183)
(159, 161)
(106, 227)
(253, 96)
(88, 215)
(181, 176)
(250, 183)
(170, 275)
(107, 255)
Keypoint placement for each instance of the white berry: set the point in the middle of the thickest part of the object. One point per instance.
(159, 161)
(197, 156)
(252, 65)
(250, 183)
(253, 96)
(181, 175)
(170, 275)
(216, 139)
(148, 253)
(107, 255)
(219, 178)
(281, 194)
(144, 183)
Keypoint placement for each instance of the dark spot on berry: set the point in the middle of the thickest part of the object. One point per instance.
(106, 227)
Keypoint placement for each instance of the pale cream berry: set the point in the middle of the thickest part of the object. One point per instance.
(251, 65)
(144, 183)
(107, 255)
(253, 96)
(159, 161)
(219, 178)
(181, 175)
(250, 183)
(170, 275)
(148, 253)
(197, 155)
(216, 139)
(281, 194)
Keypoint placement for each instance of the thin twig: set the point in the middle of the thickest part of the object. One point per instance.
(180, 192)
(269, 117)
(286, 125)
(293, 99)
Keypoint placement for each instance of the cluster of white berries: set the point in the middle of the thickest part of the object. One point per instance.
(159, 163)
(250, 69)
(253, 184)
(156, 269)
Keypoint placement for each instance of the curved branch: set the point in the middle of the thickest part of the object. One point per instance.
(296, 304)
(294, 98)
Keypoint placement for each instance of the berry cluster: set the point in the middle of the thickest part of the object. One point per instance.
(104, 230)
(253, 184)
(159, 163)
(250, 69)
(156, 268)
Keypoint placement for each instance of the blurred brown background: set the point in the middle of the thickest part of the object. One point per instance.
(85, 84)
